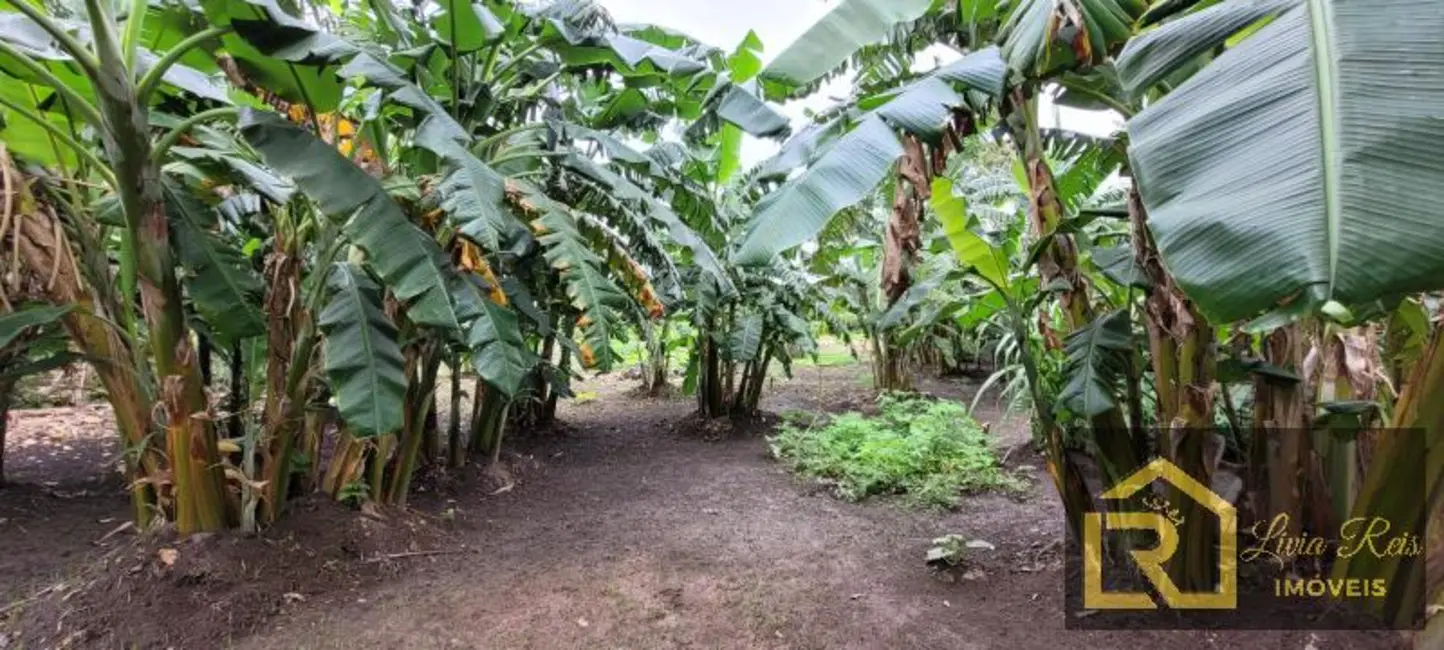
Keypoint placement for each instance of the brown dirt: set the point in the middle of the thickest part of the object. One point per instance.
(64, 493)
(209, 590)
(632, 526)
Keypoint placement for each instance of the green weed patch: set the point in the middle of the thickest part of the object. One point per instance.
(931, 452)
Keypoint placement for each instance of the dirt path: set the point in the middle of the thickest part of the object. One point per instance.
(635, 527)
(637, 533)
(64, 493)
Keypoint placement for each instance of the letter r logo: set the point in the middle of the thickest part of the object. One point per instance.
(1151, 561)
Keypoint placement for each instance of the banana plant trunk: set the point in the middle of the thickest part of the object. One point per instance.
(42, 244)
(711, 392)
(283, 445)
(431, 439)
(205, 351)
(1347, 368)
(1067, 478)
(239, 397)
(453, 423)
(348, 461)
(654, 373)
(1181, 345)
(486, 427)
(1058, 268)
(749, 386)
(1280, 446)
(1406, 465)
(753, 395)
(564, 367)
(201, 501)
(290, 343)
(890, 367)
(421, 369)
(538, 407)
(457, 444)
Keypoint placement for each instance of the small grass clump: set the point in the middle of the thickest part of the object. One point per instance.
(930, 451)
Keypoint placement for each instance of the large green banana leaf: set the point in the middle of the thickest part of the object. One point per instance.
(743, 65)
(802, 148)
(183, 77)
(670, 38)
(845, 167)
(408, 259)
(983, 70)
(29, 38)
(846, 174)
(842, 176)
(847, 28)
(228, 164)
(1121, 266)
(588, 288)
(382, 74)
(46, 349)
(472, 194)
(281, 53)
(24, 138)
(1303, 164)
(610, 144)
(734, 105)
(31, 41)
(363, 359)
(662, 214)
(16, 322)
(1042, 36)
(746, 339)
(1097, 357)
(466, 25)
(1155, 54)
(276, 33)
(922, 108)
(971, 250)
(917, 294)
(168, 24)
(621, 223)
(498, 351)
(225, 289)
(627, 55)
(742, 107)
(628, 236)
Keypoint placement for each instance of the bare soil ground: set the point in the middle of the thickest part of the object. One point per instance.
(64, 493)
(631, 526)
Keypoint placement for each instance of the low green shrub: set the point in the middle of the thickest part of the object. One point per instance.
(930, 451)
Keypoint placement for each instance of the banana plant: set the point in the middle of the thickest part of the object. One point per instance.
(739, 335)
(1339, 239)
(98, 74)
(1340, 249)
(419, 191)
(521, 203)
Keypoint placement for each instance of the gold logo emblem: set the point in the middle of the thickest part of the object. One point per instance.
(1151, 561)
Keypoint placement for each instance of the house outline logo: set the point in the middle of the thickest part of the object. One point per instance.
(1151, 561)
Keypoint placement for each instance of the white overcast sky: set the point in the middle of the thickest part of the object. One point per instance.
(724, 23)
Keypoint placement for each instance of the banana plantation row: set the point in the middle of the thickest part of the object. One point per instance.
(336, 201)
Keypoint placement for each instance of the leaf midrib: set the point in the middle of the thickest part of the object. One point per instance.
(1325, 74)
